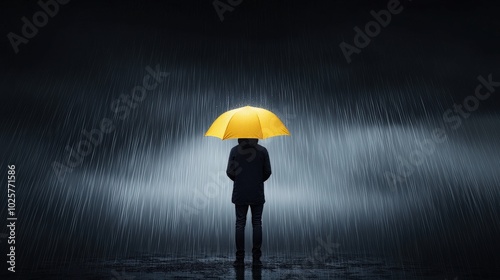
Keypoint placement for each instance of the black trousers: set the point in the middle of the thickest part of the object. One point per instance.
(241, 220)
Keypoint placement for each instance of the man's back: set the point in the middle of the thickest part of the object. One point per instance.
(249, 167)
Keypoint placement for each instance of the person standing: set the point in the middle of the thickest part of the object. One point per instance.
(249, 167)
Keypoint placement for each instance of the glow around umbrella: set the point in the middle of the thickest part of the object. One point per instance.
(247, 122)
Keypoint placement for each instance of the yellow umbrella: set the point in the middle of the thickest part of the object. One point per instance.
(247, 122)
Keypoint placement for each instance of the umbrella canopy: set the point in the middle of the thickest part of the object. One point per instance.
(247, 122)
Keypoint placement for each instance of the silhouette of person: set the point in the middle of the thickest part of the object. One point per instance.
(249, 167)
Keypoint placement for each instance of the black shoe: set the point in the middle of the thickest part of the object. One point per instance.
(238, 263)
(256, 263)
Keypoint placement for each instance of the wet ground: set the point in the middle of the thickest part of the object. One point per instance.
(220, 267)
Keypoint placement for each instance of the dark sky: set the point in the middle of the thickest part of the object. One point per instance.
(447, 44)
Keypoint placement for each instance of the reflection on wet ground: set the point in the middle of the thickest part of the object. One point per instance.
(151, 266)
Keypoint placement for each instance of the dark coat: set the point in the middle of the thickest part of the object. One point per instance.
(249, 167)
